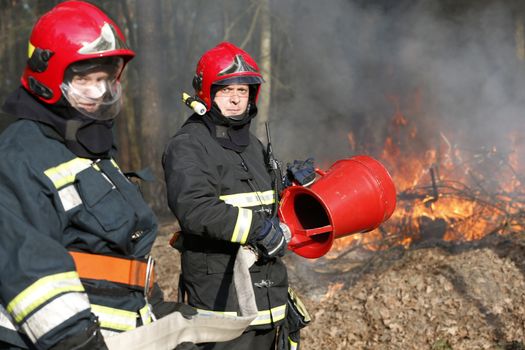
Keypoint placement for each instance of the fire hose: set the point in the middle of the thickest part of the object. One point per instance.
(354, 195)
(171, 330)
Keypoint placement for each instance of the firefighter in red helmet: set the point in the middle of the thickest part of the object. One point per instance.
(222, 192)
(76, 232)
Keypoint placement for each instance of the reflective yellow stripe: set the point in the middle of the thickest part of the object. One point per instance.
(242, 226)
(250, 199)
(268, 316)
(42, 291)
(145, 314)
(30, 49)
(54, 313)
(293, 345)
(263, 317)
(115, 319)
(65, 173)
(211, 312)
(299, 306)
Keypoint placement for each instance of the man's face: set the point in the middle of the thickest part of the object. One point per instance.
(88, 90)
(232, 99)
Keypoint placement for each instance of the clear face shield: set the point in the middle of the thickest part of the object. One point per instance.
(92, 87)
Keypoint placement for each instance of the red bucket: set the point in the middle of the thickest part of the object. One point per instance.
(355, 195)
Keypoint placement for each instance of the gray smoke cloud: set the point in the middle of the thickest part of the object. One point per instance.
(451, 67)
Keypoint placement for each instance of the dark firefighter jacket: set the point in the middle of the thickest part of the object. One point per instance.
(52, 202)
(221, 198)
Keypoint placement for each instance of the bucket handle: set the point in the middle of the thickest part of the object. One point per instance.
(320, 171)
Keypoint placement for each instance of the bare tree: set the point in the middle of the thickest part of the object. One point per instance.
(266, 68)
(151, 71)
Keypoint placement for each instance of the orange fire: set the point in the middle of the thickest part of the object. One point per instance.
(445, 192)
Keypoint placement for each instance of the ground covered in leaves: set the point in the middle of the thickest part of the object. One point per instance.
(436, 296)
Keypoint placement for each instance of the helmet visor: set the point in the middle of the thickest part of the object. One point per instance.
(242, 79)
(101, 101)
(96, 92)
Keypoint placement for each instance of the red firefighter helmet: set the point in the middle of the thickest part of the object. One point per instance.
(70, 32)
(225, 64)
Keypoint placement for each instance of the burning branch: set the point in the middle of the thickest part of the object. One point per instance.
(478, 194)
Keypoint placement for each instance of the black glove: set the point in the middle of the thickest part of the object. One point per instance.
(89, 339)
(302, 172)
(185, 310)
(163, 308)
(272, 240)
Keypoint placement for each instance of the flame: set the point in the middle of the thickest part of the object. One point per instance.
(445, 192)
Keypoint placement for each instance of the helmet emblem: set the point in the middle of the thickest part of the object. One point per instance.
(238, 65)
(107, 41)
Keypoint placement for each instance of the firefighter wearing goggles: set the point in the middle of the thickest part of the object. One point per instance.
(76, 232)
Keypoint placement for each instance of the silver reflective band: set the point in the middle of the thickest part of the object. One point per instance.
(242, 226)
(249, 199)
(54, 313)
(263, 317)
(115, 319)
(69, 197)
(5, 319)
(41, 292)
(107, 41)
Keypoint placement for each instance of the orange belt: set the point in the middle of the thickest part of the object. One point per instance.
(118, 270)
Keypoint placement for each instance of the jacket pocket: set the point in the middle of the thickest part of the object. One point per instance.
(102, 200)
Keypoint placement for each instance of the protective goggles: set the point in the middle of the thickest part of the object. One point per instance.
(95, 93)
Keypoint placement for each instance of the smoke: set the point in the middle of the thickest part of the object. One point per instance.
(449, 67)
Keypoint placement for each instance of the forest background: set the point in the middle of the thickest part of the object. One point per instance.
(337, 72)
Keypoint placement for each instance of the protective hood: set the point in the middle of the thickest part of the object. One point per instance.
(230, 133)
(85, 137)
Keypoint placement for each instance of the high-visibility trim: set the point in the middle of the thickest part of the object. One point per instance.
(293, 345)
(268, 316)
(6, 320)
(41, 292)
(54, 313)
(263, 316)
(125, 271)
(30, 50)
(69, 197)
(250, 199)
(145, 314)
(65, 173)
(115, 164)
(242, 226)
(211, 312)
(115, 319)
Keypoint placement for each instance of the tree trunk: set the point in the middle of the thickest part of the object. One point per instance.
(150, 78)
(265, 64)
(520, 39)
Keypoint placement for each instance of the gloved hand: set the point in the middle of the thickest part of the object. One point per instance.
(272, 240)
(163, 308)
(186, 311)
(89, 339)
(302, 172)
